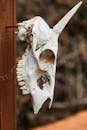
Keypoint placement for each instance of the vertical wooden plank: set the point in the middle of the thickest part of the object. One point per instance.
(7, 65)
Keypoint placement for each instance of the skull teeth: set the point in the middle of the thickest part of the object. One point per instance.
(25, 92)
(19, 76)
(19, 69)
(19, 79)
(19, 66)
(23, 88)
(19, 73)
(21, 83)
(20, 61)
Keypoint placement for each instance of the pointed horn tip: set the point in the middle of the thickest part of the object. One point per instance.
(80, 3)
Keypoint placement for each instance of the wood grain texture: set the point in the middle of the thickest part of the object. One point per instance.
(7, 65)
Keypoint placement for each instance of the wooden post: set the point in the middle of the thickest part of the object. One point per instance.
(7, 65)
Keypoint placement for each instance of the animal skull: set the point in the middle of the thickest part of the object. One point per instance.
(36, 70)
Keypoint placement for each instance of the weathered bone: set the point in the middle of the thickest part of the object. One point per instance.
(36, 69)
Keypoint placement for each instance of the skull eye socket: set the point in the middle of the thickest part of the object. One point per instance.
(47, 56)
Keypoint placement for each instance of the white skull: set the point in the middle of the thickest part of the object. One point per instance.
(36, 69)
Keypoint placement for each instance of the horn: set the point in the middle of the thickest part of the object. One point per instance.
(58, 28)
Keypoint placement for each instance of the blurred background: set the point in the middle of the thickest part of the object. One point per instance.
(70, 94)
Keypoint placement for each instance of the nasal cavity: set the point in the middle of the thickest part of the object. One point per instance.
(43, 79)
(47, 56)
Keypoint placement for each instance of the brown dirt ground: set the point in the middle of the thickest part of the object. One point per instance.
(75, 122)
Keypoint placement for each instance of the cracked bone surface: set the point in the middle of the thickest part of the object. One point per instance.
(36, 70)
